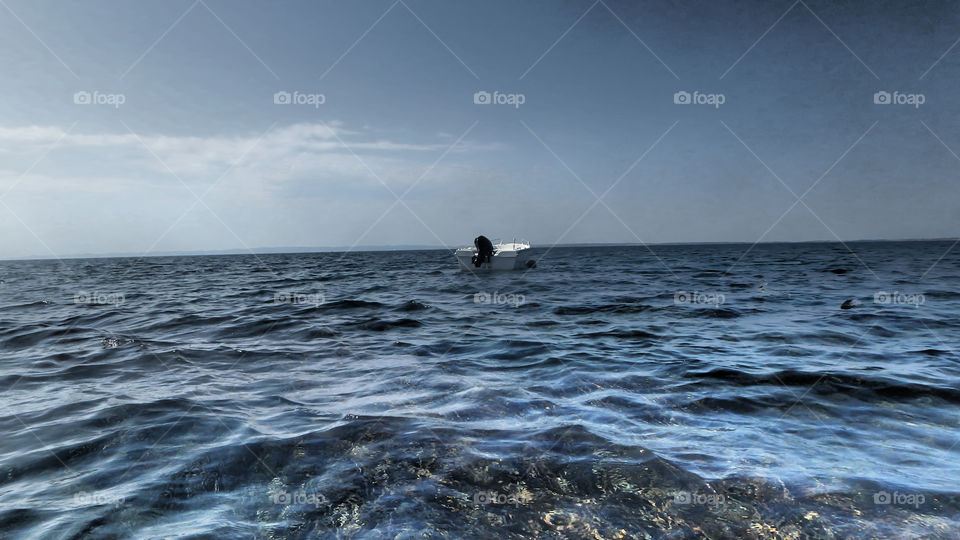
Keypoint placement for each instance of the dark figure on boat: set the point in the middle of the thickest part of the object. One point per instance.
(484, 250)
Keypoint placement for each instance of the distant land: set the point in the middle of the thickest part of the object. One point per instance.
(417, 247)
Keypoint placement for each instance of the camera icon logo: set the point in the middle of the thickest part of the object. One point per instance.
(482, 298)
(281, 98)
(681, 497)
(481, 98)
(82, 98)
(881, 297)
(682, 98)
(881, 98)
(282, 498)
(681, 297)
(882, 497)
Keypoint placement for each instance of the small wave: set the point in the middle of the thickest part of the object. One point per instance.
(316, 332)
(715, 313)
(738, 405)
(543, 323)
(28, 305)
(39, 334)
(256, 328)
(622, 334)
(412, 305)
(351, 304)
(380, 325)
(829, 383)
(605, 308)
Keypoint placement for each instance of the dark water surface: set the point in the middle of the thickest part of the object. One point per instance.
(608, 393)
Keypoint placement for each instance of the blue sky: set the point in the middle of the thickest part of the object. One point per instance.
(198, 156)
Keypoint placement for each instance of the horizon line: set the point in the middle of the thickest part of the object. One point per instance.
(293, 250)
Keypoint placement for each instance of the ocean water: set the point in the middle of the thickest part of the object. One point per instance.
(611, 392)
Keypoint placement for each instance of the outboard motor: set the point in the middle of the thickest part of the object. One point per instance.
(484, 250)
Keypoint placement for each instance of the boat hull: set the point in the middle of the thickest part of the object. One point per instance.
(510, 260)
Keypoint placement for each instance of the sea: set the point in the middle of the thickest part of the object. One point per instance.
(807, 390)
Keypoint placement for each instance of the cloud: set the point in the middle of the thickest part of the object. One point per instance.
(281, 154)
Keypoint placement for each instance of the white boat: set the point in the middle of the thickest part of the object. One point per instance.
(506, 256)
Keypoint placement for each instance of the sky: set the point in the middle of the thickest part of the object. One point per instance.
(205, 125)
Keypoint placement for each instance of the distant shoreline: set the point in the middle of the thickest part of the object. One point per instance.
(369, 249)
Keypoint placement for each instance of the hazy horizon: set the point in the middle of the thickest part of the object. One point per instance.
(295, 250)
